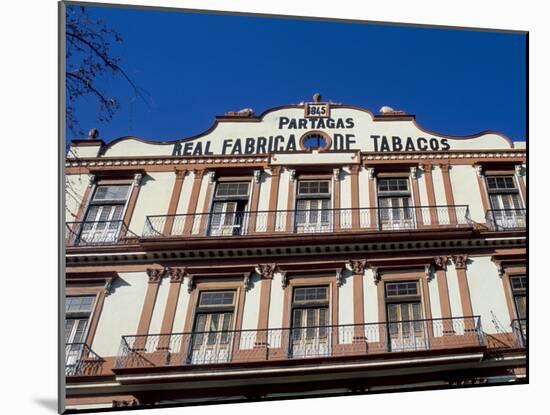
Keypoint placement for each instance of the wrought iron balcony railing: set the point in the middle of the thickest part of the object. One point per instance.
(81, 360)
(305, 221)
(519, 328)
(506, 219)
(216, 347)
(96, 233)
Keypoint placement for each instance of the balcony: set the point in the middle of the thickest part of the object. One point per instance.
(506, 219)
(519, 328)
(81, 360)
(99, 233)
(250, 346)
(305, 221)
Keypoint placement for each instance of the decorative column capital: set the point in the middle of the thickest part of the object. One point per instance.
(370, 171)
(426, 168)
(292, 173)
(211, 177)
(275, 171)
(190, 282)
(339, 277)
(180, 174)
(444, 167)
(137, 179)
(355, 168)
(479, 170)
(176, 274)
(414, 172)
(93, 179)
(266, 270)
(247, 281)
(376, 275)
(284, 279)
(199, 173)
(336, 173)
(460, 261)
(519, 170)
(440, 262)
(257, 176)
(357, 266)
(155, 275)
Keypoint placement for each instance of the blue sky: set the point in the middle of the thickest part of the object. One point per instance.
(196, 66)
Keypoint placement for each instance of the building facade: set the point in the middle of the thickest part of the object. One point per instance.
(314, 249)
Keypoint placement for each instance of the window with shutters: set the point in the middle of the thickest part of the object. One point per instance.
(406, 327)
(77, 315)
(506, 206)
(103, 220)
(229, 214)
(212, 329)
(310, 330)
(313, 201)
(519, 291)
(394, 203)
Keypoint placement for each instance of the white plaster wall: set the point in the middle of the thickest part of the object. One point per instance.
(276, 303)
(183, 203)
(83, 151)
(250, 313)
(282, 199)
(153, 199)
(345, 198)
(345, 308)
(263, 202)
(440, 198)
(466, 191)
(370, 297)
(181, 309)
(454, 298)
(364, 182)
(435, 301)
(75, 187)
(197, 219)
(423, 190)
(487, 294)
(121, 312)
(160, 307)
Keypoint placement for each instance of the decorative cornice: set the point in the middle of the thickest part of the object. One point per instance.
(357, 266)
(266, 270)
(155, 275)
(460, 261)
(444, 156)
(160, 161)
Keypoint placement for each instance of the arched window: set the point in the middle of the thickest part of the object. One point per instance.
(314, 141)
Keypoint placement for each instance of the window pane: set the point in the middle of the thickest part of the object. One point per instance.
(111, 193)
(309, 187)
(310, 294)
(232, 189)
(81, 304)
(217, 298)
